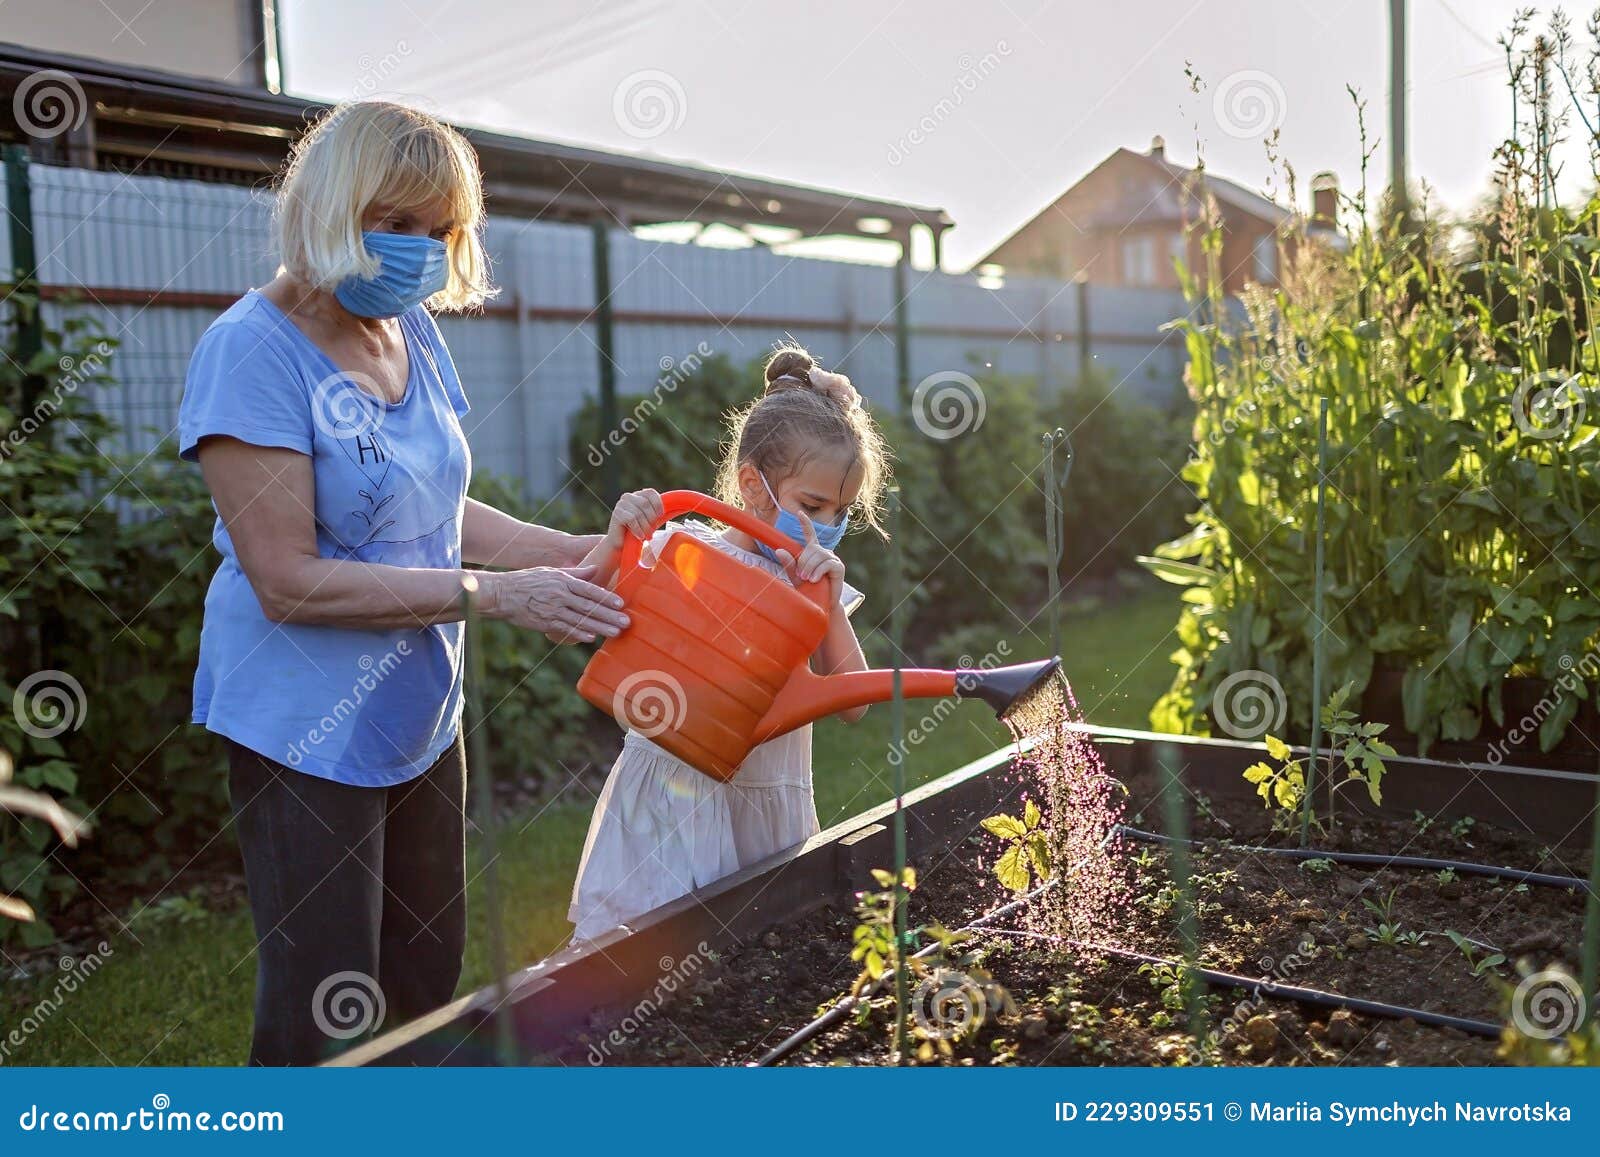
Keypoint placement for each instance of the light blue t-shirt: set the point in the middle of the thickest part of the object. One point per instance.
(363, 707)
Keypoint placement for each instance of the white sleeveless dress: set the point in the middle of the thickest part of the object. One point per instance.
(662, 829)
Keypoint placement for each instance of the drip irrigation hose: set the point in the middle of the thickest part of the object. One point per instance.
(1259, 985)
(1379, 860)
(848, 1002)
(1214, 978)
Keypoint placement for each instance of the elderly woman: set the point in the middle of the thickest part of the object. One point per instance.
(324, 412)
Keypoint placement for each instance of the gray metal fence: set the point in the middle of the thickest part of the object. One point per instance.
(156, 259)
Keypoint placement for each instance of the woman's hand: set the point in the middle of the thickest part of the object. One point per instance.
(562, 603)
(814, 562)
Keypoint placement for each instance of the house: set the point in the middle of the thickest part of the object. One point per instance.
(1125, 222)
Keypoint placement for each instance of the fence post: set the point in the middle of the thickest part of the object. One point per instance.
(24, 273)
(1085, 349)
(605, 340)
(851, 332)
(527, 359)
(902, 324)
(24, 269)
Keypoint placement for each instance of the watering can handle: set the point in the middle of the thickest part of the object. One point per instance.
(676, 502)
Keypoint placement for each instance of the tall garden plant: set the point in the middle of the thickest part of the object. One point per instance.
(1459, 366)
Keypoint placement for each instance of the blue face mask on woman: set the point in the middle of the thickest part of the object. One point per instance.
(411, 269)
(789, 523)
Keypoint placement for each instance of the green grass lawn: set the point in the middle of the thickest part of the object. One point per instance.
(181, 993)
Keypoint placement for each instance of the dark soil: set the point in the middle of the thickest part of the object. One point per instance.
(1260, 916)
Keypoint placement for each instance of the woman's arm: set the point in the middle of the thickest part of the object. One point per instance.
(266, 498)
(491, 537)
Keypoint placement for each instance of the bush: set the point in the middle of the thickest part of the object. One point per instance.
(971, 524)
(106, 563)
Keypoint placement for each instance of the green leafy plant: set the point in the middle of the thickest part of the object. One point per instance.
(1487, 963)
(1026, 857)
(945, 974)
(1317, 865)
(1460, 369)
(873, 941)
(1283, 785)
(1388, 930)
(1355, 755)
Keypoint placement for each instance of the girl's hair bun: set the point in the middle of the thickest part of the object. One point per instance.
(792, 368)
(789, 368)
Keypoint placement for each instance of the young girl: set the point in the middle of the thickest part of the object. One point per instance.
(804, 457)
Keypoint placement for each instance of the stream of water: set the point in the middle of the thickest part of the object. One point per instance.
(1082, 805)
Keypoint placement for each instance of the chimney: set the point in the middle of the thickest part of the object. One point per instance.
(1325, 201)
(1158, 147)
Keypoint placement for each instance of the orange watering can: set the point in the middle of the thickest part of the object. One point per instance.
(716, 656)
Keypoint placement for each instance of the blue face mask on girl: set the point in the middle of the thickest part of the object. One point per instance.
(411, 269)
(789, 523)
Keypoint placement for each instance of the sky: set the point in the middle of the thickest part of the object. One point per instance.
(988, 109)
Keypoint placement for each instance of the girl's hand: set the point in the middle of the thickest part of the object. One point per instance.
(639, 512)
(815, 561)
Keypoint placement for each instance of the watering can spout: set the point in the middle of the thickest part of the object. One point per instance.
(1003, 687)
(808, 697)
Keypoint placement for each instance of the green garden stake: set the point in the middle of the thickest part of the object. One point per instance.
(1177, 828)
(1316, 643)
(897, 733)
(483, 793)
(1055, 524)
(1591, 920)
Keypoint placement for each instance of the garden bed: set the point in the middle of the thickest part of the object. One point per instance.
(761, 977)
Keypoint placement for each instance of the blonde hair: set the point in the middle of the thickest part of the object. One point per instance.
(374, 152)
(798, 418)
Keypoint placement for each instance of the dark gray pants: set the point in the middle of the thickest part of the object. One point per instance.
(358, 899)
